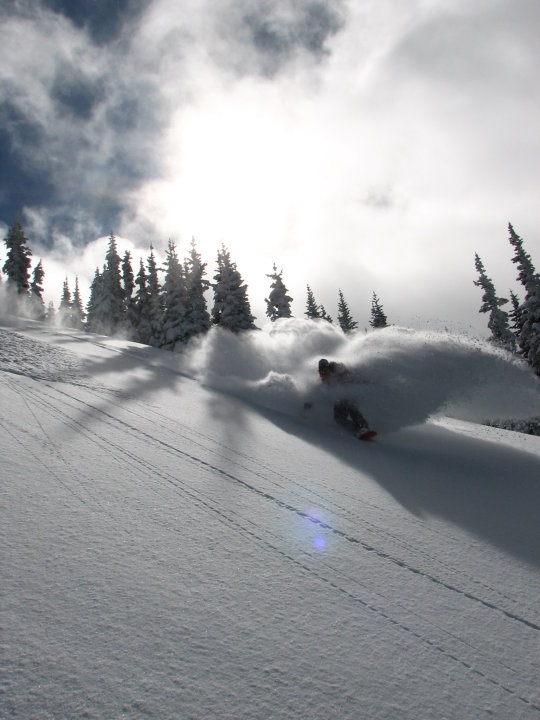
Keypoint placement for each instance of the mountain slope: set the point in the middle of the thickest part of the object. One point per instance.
(173, 550)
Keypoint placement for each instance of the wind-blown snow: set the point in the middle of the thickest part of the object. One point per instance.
(180, 538)
(402, 376)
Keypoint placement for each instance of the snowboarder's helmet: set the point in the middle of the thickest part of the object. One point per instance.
(323, 364)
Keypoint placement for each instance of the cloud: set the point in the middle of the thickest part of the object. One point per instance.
(77, 93)
(89, 88)
(367, 146)
(78, 123)
(273, 34)
(102, 19)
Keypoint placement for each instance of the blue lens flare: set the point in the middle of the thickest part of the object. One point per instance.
(319, 542)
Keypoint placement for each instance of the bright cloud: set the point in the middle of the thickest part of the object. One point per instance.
(361, 146)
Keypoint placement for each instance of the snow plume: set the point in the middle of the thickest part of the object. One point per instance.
(399, 377)
(14, 305)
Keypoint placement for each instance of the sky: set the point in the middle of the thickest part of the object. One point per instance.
(363, 146)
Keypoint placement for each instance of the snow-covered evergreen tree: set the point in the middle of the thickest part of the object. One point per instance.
(278, 303)
(155, 300)
(498, 319)
(64, 309)
(128, 279)
(112, 292)
(18, 259)
(313, 311)
(346, 323)
(174, 300)
(143, 328)
(97, 317)
(36, 292)
(77, 311)
(528, 335)
(231, 308)
(515, 314)
(128, 282)
(378, 317)
(196, 318)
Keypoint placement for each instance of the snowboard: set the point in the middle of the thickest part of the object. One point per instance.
(367, 435)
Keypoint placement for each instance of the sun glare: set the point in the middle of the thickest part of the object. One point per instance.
(237, 174)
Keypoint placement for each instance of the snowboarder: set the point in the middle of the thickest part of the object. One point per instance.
(346, 413)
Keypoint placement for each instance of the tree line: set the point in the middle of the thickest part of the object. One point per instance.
(162, 314)
(519, 329)
(169, 313)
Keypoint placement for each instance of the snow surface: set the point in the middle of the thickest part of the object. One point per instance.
(180, 538)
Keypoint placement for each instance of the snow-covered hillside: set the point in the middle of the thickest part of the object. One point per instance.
(182, 539)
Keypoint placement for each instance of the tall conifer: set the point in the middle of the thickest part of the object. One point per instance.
(174, 299)
(313, 311)
(498, 319)
(528, 334)
(77, 311)
(36, 292)
(346, 323)
(113, 294)
(128, 286)
(278, 303)
(378, 317)
(231, 304)
(155, 299)
(64, 309)
(18, 260)
(143, 328)
(196, 318)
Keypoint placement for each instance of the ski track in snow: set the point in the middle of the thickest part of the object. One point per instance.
(73, 404)
(138, 461)
(326, 502)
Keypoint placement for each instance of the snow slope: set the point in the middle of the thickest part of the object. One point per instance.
(180, 539)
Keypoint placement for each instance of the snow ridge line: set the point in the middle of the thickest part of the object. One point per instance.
(315, 521)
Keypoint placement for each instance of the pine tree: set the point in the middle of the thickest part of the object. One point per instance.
(36, 292)
(18, 260)
(97, 319)
(113, 294)
(515, 313)
(324, 315)
(155, 300)
(498, 319)
(143, 328)
(528, 335)
(174, 300)
(378, 318)
(313, 311)
(197, 317)
(64, 309)
(231, 305)
(278, 304)
(128, 282)
(77, 312)
(346, 323)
